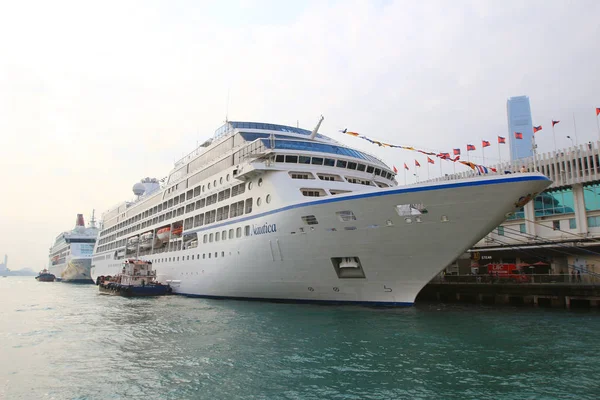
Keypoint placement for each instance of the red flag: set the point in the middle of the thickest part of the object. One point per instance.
(444, 156)
(554, 123)
(405, 166)
(537, 128)
(485, 143)
(417, 164)
(501, 140)
(518, 135)
(456, 152)
(395, 169)
(493, 169)
(470, 147)
(597, 111)
(430, 161)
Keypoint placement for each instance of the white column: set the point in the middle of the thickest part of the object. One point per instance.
(529, 210)
(579, 205)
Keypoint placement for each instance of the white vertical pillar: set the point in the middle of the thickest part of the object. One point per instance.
(579, 205)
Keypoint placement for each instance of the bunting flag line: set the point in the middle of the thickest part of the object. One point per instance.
(485, 143)
(537, 128)
(518, 135)
(597, 111)
(554, 123)
(501, 140)
(441, 155)
(395, 169)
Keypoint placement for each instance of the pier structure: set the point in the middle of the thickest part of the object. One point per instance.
(558, 232)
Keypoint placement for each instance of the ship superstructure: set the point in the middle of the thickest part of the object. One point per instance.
(267, 211)
(71, 254)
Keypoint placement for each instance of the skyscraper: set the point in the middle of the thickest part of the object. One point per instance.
(519, 120)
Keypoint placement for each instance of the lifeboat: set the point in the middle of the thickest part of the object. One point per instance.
(146, 240)
(132, 243)
(163, 234)
(177, 231)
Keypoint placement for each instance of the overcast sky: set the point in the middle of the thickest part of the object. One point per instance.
(97, 95)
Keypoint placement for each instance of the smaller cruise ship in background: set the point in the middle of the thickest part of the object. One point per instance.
(71, 254)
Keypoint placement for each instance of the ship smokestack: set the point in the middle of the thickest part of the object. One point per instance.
(79, 221)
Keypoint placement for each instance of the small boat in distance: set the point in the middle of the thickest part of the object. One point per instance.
(45, 276)
(137, 279)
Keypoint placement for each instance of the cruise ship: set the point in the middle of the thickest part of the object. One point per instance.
(71, 254)
(273, 212)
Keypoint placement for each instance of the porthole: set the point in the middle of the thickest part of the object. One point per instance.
(216, 254)
(208, 185)
(227, 178)
(258, 201)
(215, 183)
(203, 255)
(203, 188)
(250, 185)
(259, 181)
(221, 180)
(209, 255)
(268, 198)
(222, 254)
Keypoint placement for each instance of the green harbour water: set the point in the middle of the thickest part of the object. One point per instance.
(62, 341)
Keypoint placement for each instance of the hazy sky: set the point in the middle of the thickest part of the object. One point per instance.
(97, 95)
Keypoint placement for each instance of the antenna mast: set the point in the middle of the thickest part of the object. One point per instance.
(314, 132)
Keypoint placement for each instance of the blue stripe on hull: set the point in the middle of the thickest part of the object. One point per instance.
(302, 301)
(376, 193)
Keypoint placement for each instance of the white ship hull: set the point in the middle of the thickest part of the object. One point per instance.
(75, 270)
(285, 259)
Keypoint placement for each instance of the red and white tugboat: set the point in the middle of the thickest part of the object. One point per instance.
(137, 279)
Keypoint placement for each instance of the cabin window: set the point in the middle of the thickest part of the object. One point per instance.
(310, 220)
(217, 236)
(325, 177)
(231, 234)
(377, 171)
(197, 191)
(313, 192)
(224, 235)
(189, 194)
(211, 237)
(238, 232)
(346, 216)
(291, 159)
(247, 230)
(341, 164)
(351, 165)
(198, 220)
(304, 160)
(361, 167)
(301, 175)
(317, 161)
(249, 205)
(329, 162)
(370, 169)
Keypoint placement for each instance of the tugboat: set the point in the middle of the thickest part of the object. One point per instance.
(137, 279)
(45, 276)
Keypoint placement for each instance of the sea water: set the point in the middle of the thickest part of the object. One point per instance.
(64, 341)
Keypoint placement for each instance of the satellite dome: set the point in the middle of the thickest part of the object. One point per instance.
(139, 189)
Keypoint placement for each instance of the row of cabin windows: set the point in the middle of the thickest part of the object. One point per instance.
(222, 195)
(209, 200)
(332, 178)
(220, 214)
(330, 162)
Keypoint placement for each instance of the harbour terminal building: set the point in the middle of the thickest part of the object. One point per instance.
(556, 233)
